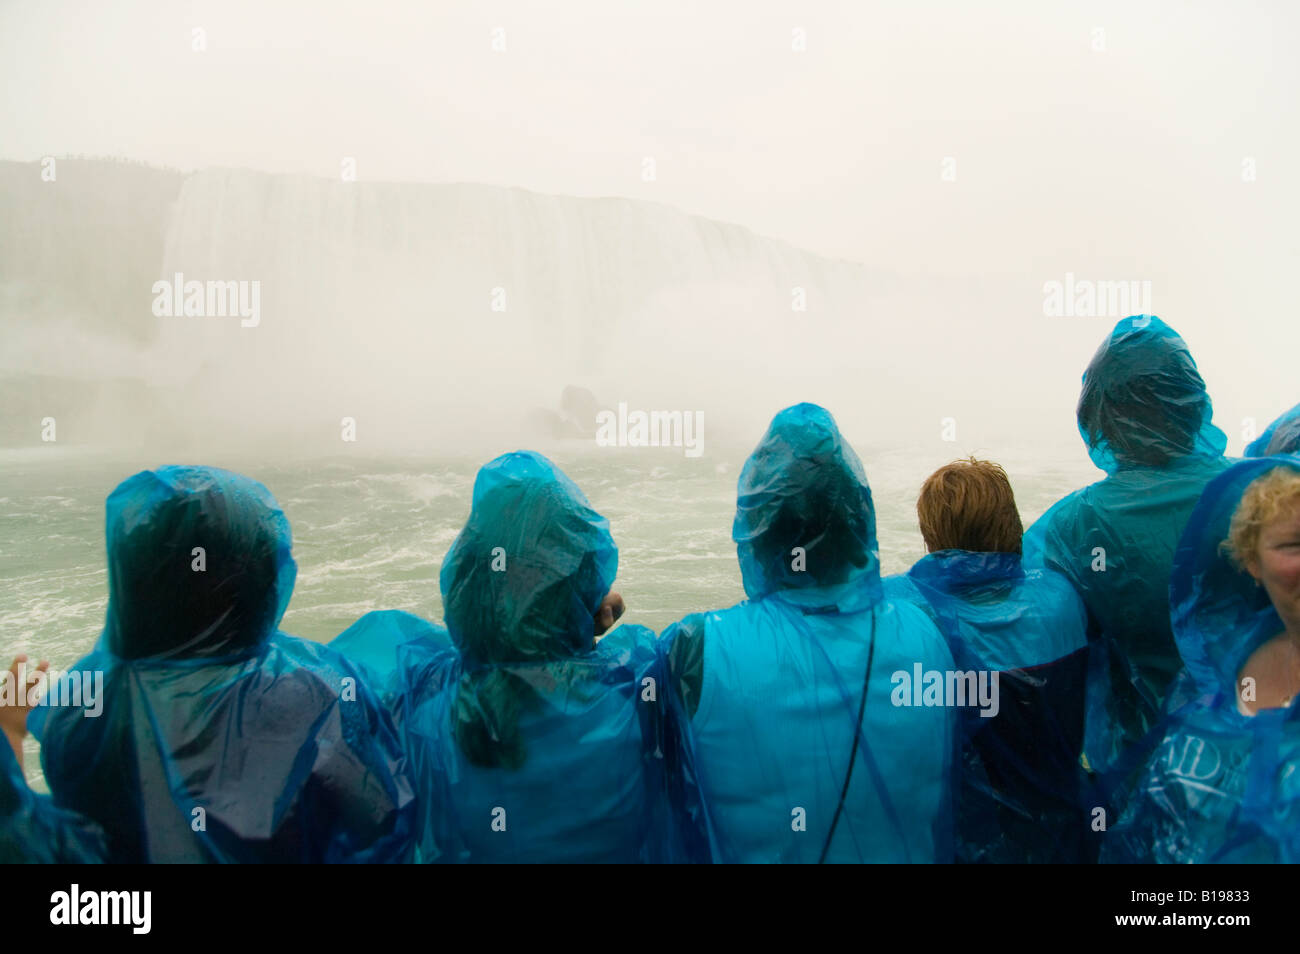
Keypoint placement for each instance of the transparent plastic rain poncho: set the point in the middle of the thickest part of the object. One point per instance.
(1280, 437)
(1220, 786)
(33, 830)
(1020, 784)
(530, 741)
(220, 738)
(1145, 416)
(788, 743)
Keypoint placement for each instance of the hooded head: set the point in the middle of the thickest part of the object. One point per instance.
(1219, 614)
(804, 516)
(199, 564)
(1281, 437)
(525, 577)
(1143, 402)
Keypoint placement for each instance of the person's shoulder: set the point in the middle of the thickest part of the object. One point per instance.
(1057, 519)
(693, 626)
(905, 610)
(1263, 665)
(689, 626)
(911, 629)
(1062, 616)
(1087, 495)
(627, 641)
(1266, 652)
(682, 643)
(307, 659)
(307, 651)
(377, 636)
(899, 587)
(1074, 497)
(1050, 585)
(1206, 464)
(902, 590)
(287, 657)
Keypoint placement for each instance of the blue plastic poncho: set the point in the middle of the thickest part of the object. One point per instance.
(387, 645)
(1020, 786)
(1280, 437)
(531, 742)
(1221, 785)
(220, 738)
(1145, 416)
(33, 830)
(798, 742)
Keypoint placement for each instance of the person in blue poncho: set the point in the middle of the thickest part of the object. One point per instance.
(217, 737)
(1146, 418)
(531, 741)
(33, 830)
(810, 725)
(1220, 785)
(1280, 437)
(1018, 795)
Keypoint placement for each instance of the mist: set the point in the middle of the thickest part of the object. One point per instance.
(454, 213)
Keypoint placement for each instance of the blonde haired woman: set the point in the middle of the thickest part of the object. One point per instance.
(1217, 787)
(1264, 540)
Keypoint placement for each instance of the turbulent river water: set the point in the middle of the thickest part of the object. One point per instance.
(371, 533)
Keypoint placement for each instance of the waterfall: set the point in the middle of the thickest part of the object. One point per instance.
(433, 309)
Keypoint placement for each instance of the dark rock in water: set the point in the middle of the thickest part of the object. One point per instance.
(545, 423)
(575, 419)
(578, 407)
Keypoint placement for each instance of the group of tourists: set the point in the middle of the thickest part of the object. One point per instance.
(1114, 683)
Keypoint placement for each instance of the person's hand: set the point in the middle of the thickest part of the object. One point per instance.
(13, 715)
(608, 613)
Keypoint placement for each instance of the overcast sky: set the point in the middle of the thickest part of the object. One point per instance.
(1124, 161)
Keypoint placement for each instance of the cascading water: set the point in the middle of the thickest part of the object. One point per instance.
(423, 311)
